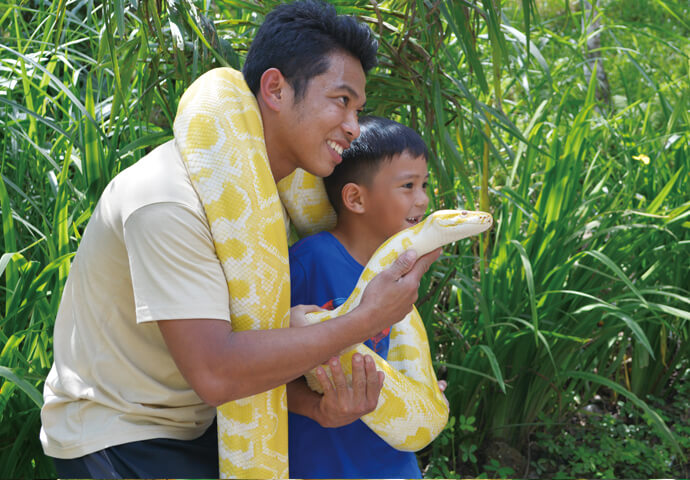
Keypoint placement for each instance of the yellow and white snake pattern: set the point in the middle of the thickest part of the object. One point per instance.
(219, 134)
(411, 410)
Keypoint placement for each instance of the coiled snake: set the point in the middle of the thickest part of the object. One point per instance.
(219, 134)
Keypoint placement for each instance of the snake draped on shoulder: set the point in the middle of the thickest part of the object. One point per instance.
(219, 134)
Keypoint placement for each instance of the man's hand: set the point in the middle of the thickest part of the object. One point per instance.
(341, 403)
(392, 293)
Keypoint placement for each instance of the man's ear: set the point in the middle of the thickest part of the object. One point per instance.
(353, 197)
(273, 89)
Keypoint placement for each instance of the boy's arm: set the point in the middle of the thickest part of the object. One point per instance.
(340, 404)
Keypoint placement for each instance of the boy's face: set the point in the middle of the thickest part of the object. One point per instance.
(396, 198)
(324, 121)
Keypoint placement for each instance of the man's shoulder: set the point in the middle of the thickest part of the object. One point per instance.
(159, 177)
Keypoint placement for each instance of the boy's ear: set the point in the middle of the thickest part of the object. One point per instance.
(272, 89)
(353, 197)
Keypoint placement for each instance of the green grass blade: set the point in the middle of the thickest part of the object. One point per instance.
(529, 278)
(617, 270)
(493, 361)
(659, 200)
(25, 386)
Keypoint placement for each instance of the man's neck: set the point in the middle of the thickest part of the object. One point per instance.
(280, 167)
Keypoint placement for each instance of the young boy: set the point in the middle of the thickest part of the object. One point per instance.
(378, 190)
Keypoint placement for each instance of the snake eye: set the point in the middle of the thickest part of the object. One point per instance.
(463, 213)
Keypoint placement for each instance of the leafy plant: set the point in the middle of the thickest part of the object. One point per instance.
(582, 284)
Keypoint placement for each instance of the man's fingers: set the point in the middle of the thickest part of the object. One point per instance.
(374, 381)
(359, 377)
(337, 374)
(421, 266)
(403, 264)
(323, 379)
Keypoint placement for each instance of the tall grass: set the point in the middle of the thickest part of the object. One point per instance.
(587, 285)
(583, 283)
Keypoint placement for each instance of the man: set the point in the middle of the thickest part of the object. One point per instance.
(143, 345)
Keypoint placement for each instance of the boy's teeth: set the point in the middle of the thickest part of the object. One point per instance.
(336, 147)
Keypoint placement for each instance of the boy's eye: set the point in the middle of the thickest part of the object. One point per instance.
(345, 100)
(408, 185)
(425, 185)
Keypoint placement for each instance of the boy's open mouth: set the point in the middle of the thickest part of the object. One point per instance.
(414, 220)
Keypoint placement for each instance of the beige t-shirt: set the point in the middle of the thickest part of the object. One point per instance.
(146, 255)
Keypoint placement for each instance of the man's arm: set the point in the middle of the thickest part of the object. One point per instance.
(222, 365)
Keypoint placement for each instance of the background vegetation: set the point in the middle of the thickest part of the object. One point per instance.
(563, 333)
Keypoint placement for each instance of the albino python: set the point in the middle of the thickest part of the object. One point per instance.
(411, 410)
(219, 134)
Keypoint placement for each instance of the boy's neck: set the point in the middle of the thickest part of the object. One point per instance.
(356, 238)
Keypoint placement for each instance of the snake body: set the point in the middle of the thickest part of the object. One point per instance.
(411, 410)
(219, 135)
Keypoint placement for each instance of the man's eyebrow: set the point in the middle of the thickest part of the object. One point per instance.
(351, 91)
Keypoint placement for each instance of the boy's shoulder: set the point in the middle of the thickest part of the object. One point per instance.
(313, 244)
(322, 248)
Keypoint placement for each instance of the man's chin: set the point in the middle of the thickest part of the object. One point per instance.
(322, 170)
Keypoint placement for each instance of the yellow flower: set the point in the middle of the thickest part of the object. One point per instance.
(642, 158)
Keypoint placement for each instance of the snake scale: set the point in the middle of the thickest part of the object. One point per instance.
(219, 134)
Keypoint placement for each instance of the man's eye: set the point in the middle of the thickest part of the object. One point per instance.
(345, 100)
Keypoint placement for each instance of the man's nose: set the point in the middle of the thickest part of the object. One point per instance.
(351, 126)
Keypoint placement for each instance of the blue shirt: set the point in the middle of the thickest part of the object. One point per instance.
(321, 270)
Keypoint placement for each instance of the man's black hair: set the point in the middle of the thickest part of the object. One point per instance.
(379, 140)
(297, 38)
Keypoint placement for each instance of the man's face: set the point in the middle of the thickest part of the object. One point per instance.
(323, 123)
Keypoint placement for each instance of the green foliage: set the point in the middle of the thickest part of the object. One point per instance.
(621, 444)
(583, 282)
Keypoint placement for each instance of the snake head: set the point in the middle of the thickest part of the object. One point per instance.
(472, 222)
(452, 225)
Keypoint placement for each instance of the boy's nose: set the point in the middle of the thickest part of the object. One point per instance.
(422, 198)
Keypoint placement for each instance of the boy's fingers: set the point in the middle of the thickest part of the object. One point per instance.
(298, 314)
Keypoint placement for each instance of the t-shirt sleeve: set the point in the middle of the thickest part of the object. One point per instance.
(175, 271)
(299, 282)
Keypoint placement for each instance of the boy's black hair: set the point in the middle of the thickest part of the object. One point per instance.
(296, 39)
(379, 140)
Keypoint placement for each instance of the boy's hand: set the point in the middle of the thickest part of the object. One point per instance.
(392, 293)
(342, 404)
(442, 385)
(298, 312)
